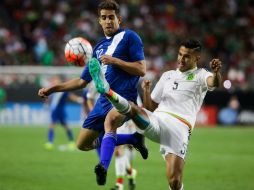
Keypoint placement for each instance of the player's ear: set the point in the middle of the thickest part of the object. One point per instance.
(119, 19)
(198, 58)
(99, 20)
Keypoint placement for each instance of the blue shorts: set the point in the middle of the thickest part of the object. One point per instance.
(58, 116)
(95, 119)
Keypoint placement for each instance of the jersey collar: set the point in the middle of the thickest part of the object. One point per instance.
(187, 72)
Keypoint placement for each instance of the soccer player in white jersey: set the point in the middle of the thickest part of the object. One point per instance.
(121, 55)
(175, 101)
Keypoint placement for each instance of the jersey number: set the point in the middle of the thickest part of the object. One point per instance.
(175, 86)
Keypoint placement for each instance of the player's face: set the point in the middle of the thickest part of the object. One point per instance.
(187, 59)
(109, 21)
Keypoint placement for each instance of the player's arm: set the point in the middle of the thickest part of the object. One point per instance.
(215, 80)
(148, 103)
(70, 85)
(134, 68)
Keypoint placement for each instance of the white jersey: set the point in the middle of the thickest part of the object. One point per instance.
(181, 94)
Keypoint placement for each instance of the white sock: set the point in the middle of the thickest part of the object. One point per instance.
(120, 165)
(121, 104)
(130, 154)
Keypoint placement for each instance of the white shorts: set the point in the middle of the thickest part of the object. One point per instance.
(172, 134)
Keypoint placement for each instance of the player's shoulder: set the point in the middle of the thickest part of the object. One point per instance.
(131, 33)
(202, 71)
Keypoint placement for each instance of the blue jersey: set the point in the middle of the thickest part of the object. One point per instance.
(127, 46)
(57, 107)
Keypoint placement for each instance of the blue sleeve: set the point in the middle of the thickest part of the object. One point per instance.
(136, 48)
(86, 75)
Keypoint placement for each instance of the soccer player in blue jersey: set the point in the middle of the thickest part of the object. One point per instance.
(57, 103)
(121, 55)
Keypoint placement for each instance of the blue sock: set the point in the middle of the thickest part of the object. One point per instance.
(98, 150)
(51, 135)
(70, 134)
(97, 144)
(107, 148)
(126, 139)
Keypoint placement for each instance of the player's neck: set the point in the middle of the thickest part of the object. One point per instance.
(117, 31)
(189, 70)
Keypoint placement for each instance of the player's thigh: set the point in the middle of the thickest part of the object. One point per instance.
(113, 120)
(174, 167)
(86, 138)
(152, 130)
(174, 137)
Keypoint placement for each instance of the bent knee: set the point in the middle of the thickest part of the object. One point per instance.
(83, 147)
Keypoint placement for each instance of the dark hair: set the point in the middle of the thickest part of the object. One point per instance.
(192, 44)
(109, 5)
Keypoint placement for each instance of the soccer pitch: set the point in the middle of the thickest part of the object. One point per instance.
(218, 158)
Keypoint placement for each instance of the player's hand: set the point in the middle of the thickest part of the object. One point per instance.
(215, 65)
(146, 85)
(107, 59)
(43, 93)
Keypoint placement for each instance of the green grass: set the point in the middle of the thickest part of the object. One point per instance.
(220, 158)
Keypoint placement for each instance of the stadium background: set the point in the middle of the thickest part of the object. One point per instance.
(32, 38)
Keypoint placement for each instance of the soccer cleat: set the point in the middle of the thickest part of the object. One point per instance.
(49, 146)
(118, 186)
(132, 179)
(101, 174)
(99, 79)
(140, 145)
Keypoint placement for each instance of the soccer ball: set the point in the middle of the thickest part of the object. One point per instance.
(78, 51)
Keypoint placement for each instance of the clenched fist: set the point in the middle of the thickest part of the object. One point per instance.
(146, 84)
(43, 93)
(215, 65)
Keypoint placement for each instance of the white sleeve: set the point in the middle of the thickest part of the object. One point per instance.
(158, 89)
(204, 75)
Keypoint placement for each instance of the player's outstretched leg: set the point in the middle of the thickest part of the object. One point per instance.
(102, 87)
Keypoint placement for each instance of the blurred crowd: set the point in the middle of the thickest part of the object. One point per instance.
(35, 32)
